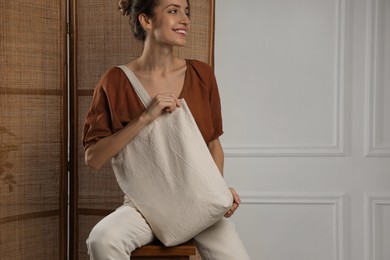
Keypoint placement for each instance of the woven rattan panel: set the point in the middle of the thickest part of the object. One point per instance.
(101, 39)
(32, 129)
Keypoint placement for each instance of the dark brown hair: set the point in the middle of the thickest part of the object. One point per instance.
(134, 8)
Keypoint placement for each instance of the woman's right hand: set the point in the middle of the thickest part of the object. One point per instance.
(102, 151)
(161, 103)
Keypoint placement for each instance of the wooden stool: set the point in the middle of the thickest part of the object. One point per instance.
(157, 251)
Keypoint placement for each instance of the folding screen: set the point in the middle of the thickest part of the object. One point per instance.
(33, 130)
(100, 39)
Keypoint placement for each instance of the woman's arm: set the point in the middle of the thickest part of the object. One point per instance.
(99, 153)
(216, 151)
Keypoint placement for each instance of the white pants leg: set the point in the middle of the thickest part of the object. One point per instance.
(221, 242)
(118, 234)
(124, 230)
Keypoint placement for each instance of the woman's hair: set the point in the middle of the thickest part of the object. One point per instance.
(134, 8)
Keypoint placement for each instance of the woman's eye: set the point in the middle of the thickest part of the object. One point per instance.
(173, 11)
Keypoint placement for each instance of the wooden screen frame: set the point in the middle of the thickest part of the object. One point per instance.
(62, 211)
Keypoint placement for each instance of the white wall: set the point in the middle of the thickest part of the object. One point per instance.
(305, 88)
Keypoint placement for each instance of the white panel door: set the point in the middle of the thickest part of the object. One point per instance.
(305, 89)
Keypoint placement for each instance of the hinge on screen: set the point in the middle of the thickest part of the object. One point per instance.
(68, 166)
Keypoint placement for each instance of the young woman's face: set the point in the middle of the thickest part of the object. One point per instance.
(171, 22)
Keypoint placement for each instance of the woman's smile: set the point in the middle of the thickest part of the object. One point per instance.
(182, 32)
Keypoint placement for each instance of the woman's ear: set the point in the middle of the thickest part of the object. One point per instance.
(145, 21)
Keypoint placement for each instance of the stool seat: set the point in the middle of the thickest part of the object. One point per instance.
(157, 250)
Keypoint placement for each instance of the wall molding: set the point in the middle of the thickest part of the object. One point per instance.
(285, 151)
(336, 200)
(372, 148)
(337, 148)
(371, 201)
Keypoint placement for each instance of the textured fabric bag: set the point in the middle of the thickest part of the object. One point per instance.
(170, 175)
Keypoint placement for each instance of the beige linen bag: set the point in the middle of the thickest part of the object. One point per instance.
(170, 175)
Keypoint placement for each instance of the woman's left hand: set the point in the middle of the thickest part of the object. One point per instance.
(236, 203)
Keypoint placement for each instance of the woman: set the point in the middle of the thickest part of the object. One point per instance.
(116, 116)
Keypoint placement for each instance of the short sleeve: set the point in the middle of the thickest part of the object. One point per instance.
(215, 107)
(97, 121)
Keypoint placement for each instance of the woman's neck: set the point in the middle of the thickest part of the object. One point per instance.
(157, 58)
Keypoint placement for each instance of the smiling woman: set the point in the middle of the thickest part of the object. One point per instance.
(99, 40)
(136, 8)
(116, 116)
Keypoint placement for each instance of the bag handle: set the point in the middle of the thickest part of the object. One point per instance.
(137, 86)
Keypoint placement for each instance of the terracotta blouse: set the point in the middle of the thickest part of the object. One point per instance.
(115, 103)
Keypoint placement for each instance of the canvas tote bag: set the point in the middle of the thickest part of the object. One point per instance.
(169, 174)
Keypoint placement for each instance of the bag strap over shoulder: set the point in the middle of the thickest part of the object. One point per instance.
(137, 86)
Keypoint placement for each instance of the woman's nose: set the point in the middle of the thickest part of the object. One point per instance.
(185, 19)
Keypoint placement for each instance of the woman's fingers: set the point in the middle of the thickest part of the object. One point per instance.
(163, 103)
(236, 203)
(232, 210)
(167, 102)
(236, 198)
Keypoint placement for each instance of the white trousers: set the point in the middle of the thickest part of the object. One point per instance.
(118, 234)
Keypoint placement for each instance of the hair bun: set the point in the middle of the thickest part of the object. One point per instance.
(124, 6)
